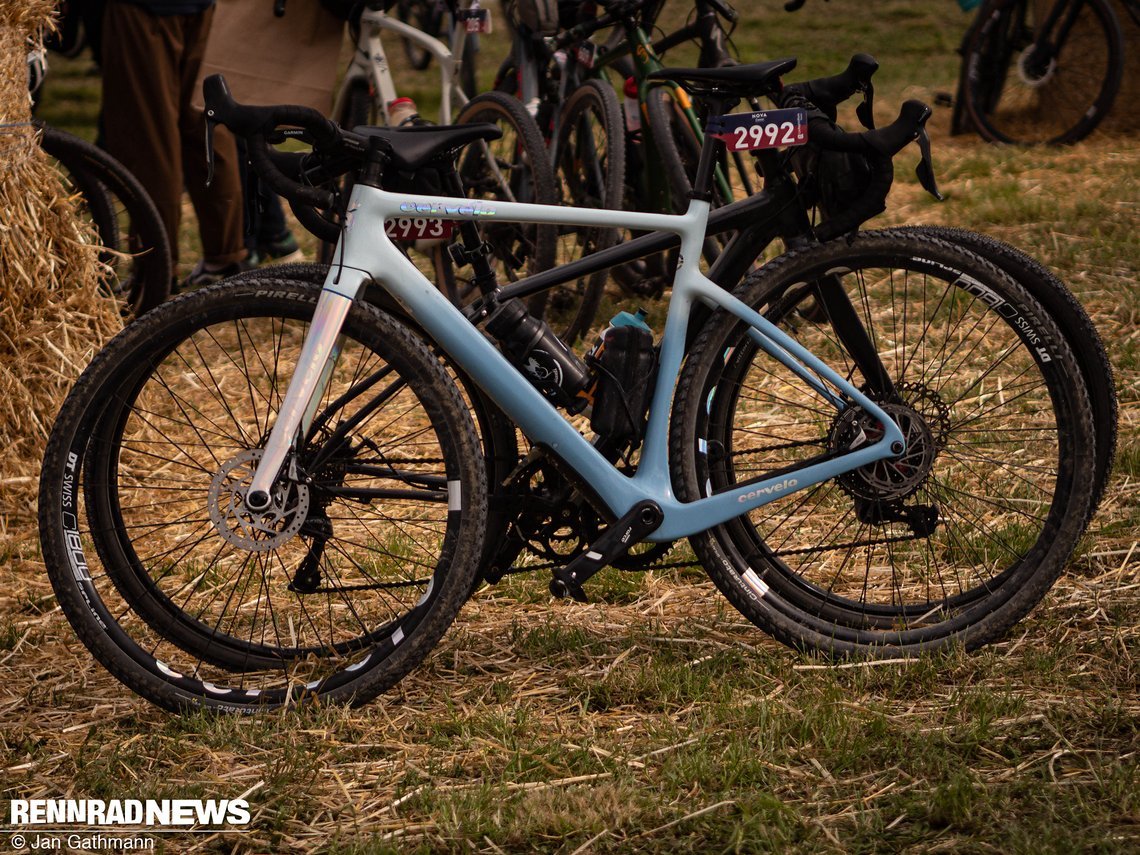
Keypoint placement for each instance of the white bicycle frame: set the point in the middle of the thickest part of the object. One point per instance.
(365, 253)
(370, 63)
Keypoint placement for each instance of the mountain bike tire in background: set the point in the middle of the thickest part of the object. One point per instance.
(589, 168)
(188, 599)
(1013, 96)
(425, 16)
(359, 107)
(430, 17)
(951, 543)
(513, 168)
(679, 148)
(125, 218)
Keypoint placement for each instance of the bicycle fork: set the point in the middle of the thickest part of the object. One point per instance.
(314, 367)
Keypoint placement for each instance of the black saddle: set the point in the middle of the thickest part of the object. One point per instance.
(419, 145)
(741, 81)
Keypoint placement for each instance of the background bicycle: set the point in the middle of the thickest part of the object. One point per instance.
(512, 168)
(564, 64)
(1040, 71)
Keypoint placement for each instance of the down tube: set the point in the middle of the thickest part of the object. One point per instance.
(510, 391)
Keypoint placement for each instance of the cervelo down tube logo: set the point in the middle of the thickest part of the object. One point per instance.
(105, 814)
(439, 209)
(786, 484)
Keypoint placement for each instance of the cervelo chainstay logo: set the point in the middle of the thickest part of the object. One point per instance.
(786, 484)
(439, 209)
(86, 813)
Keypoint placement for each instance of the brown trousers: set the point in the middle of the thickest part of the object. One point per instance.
(150, 65)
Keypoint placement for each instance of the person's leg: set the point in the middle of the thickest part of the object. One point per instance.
(219, 206)
(140, 110)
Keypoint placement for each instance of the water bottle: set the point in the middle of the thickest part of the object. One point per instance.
(401, 112)
(624, 360)
(553, 368)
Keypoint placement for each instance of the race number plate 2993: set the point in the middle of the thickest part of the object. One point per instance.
(763, 129)
(418, 228)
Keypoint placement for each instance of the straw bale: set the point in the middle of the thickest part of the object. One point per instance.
(52, 317)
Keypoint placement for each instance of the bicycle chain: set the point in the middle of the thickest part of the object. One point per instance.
(671, 565)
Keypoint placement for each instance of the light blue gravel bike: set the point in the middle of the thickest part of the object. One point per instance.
(269, 492)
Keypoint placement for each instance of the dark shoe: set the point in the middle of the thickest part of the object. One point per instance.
(282, 250)
(205, 274)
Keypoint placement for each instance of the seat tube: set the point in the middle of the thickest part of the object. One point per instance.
(706, 166)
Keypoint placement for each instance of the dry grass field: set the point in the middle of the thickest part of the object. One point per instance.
(656, 719)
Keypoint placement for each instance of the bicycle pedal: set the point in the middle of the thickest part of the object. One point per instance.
(563, 591)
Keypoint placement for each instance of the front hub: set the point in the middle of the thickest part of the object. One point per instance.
(261, 530)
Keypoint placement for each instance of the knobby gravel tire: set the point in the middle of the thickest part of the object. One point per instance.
(955, 541)
(146, 541)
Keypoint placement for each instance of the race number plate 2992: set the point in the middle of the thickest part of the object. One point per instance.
(763, 129)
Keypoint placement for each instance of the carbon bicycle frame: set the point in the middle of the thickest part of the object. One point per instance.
(370, 63)
(366, 254)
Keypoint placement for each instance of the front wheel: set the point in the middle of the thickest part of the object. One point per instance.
(337, 591)
(952, 542)
(1027, 87)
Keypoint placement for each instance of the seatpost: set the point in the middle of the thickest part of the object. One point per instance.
(376, 157)
(702, 183)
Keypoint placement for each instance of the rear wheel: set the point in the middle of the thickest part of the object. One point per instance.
(952, 542)
(1022, 89)
(344, 586)
(1073, 323)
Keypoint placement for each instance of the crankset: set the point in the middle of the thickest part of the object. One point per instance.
(557, 524)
